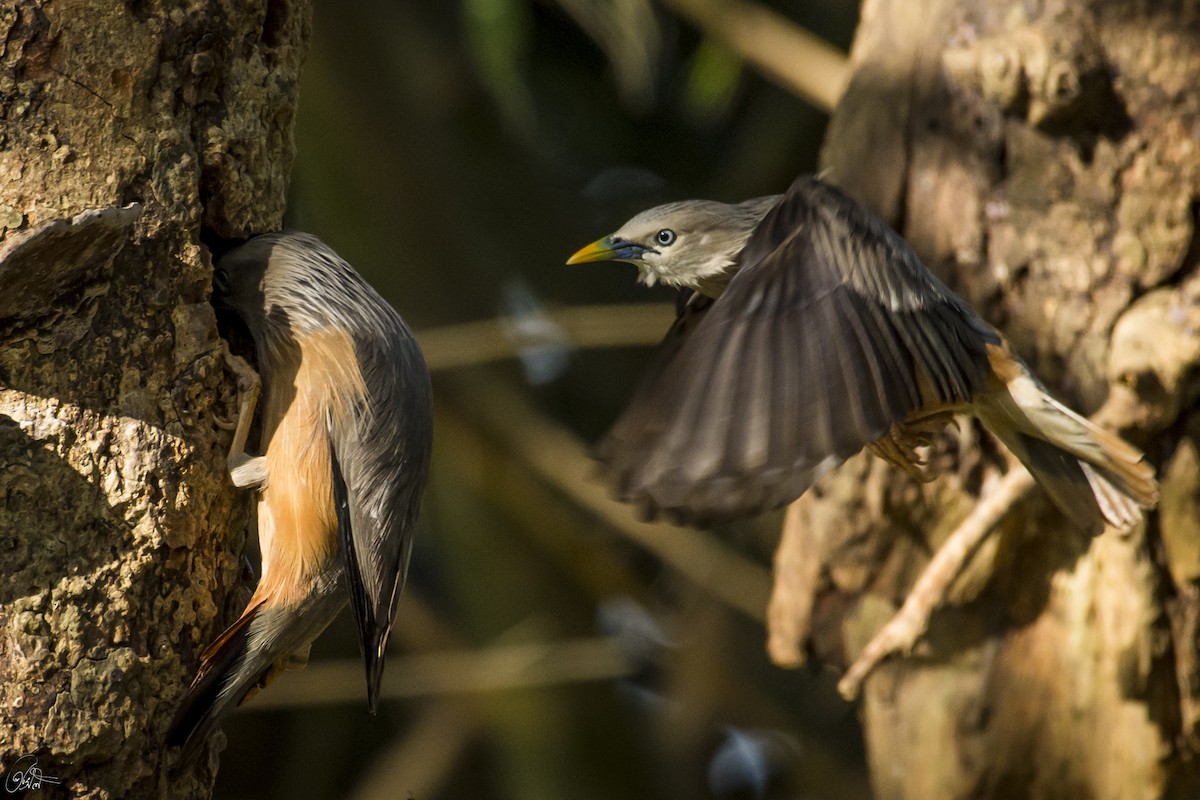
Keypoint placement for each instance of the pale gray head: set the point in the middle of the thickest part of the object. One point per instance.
(291, 284)
(691, 243)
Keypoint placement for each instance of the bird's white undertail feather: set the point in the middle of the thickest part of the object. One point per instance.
(1116, 506)
(1086, 470)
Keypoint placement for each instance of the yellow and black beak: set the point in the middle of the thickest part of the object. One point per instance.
(610, 248)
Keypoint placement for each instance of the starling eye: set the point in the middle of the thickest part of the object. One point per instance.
(665, 237)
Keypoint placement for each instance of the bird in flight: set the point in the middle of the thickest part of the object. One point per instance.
(807, 330)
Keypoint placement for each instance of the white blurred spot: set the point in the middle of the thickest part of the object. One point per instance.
(747, 761)
(541, 343)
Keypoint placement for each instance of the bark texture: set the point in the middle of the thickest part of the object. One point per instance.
(126, 129)
(1044, 160)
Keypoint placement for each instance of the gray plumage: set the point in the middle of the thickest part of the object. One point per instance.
(808, 330)
(383, 453)
(327, 345)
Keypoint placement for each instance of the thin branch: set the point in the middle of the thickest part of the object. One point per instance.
(779, 48)
(490, 669)
(618, 325)
(903, 630)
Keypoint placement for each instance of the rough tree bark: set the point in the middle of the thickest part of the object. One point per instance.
(126, 130)
(1044, 159)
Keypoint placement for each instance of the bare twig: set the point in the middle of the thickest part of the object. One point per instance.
(903, 630)
(783, 51)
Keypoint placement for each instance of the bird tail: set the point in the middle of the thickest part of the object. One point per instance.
(265, 640)
(1094, 476)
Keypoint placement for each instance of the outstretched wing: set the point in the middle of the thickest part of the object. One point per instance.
(831, 332)
(642, 411)
(380, 460)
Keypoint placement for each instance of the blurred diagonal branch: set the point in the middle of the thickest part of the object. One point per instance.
(783, 51)
(557, 457)
(539, 513)
(797, 575)
(621, 325)
(423, 760)
(488, 669)
(628, 33)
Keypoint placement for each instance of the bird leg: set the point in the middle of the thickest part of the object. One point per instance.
(899, 445)
(901, 632)
(245, 471)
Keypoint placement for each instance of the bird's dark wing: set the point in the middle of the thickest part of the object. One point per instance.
(831, 332)
(690, 308)
(380, 460)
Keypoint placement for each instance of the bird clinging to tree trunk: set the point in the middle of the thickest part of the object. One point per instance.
(347, 428)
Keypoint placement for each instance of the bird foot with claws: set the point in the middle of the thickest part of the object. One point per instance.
(901, 444)
(244, 470)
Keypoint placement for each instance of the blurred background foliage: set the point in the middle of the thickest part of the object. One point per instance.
(548, 645)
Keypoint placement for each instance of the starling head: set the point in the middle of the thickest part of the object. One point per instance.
(289, 284)
(692, 243)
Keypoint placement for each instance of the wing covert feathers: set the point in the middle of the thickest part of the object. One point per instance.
(830, 333)
(379, 447)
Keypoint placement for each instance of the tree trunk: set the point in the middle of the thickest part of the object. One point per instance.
(1043, 159)
(128, 130)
